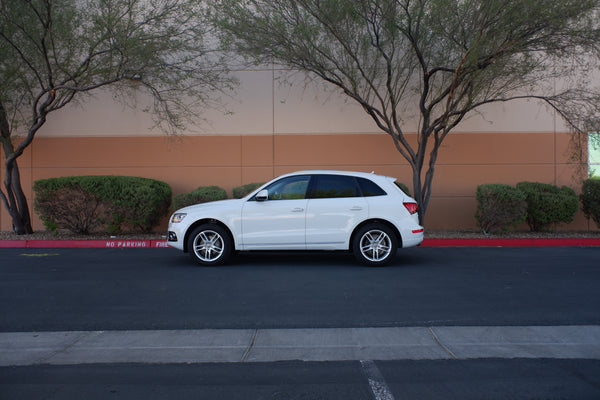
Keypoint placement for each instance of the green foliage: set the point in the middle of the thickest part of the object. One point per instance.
(500, 207)
(590, 199)
(54, 52)
(203, 194)
(444, 59)
(548, 205)
(241, 191)
(140, 202)
(83, 204)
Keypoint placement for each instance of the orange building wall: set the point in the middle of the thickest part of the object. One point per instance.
(465, 161)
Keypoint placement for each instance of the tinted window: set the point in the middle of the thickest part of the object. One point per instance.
(331, 186)
(403, 187)
(290, 188)
(370, 188)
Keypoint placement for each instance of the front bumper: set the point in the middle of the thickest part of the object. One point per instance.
(175, 238)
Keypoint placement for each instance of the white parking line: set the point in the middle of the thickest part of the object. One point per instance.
(376, 381)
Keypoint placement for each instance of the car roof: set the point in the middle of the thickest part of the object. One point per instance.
(339, 172)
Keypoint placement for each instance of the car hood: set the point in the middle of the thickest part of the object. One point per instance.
(211, 204)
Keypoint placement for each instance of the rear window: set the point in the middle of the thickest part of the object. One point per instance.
(403, 187)
(370, 188)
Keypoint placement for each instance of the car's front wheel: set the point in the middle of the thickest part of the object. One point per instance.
(210, 244)
(375, 244)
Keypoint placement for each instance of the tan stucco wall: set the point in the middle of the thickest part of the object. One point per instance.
(279, 122)
(466, 160)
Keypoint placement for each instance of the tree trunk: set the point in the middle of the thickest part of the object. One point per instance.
(418, 192)
(15, 200)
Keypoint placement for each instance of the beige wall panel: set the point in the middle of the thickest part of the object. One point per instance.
(256, 175)
(571, 147)
(247, 111)
(501, 148)
(257, 150)
(570, 175)
(273, 101)
(302, 106)
(513, 116)
(335, 150)
(88, 152)
(101, 115)
(451, 213)
(229, 161)
(459, 180)
(222, 151)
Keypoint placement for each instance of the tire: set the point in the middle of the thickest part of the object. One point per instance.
(375, 244)
(210, 245)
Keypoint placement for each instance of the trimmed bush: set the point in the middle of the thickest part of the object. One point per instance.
(82, 204)
(548, 205)
(500, 207)
(241, 191)
(203, 194)
(590, 199)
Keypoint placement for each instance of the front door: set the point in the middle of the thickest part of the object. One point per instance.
(279, 221)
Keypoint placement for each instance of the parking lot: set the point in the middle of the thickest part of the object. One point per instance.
(489, 299)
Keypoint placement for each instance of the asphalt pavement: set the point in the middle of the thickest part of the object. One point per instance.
(448, 322)
(71, 306)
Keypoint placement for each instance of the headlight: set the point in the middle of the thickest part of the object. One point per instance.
(178, 217)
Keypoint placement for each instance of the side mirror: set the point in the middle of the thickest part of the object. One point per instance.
(263, 195)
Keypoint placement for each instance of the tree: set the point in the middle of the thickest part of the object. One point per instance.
(436, 60)
(55, 52)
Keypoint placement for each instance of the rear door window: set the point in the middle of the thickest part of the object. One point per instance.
(334, 186)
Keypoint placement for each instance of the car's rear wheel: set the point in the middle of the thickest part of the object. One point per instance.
(375, 244)
(210, 244)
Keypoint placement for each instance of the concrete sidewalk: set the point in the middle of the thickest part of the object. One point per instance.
(266, 345)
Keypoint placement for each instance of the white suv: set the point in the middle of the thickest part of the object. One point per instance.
(365, 213)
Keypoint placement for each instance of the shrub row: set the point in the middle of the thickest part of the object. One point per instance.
(548, 205)
(500, 207)
(590, 199)
(82, 204)
(204, 194)
(541, 205)
(201, 195)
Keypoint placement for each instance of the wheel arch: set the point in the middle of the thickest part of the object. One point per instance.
(375, 220)
(199, 222)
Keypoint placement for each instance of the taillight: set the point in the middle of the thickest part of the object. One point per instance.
(411, 207)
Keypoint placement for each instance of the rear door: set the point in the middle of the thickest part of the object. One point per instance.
(335, 207)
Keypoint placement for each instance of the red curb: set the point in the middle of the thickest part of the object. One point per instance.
(560, 242)
(89, 244)
(157, 243)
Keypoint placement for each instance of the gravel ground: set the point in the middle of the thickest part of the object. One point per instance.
(431, 234)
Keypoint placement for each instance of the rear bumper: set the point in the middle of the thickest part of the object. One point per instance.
(412, 236)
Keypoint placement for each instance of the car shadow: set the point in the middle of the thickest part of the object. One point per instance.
(291, 259)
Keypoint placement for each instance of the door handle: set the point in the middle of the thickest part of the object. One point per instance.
(297, 209)
(356, 208)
